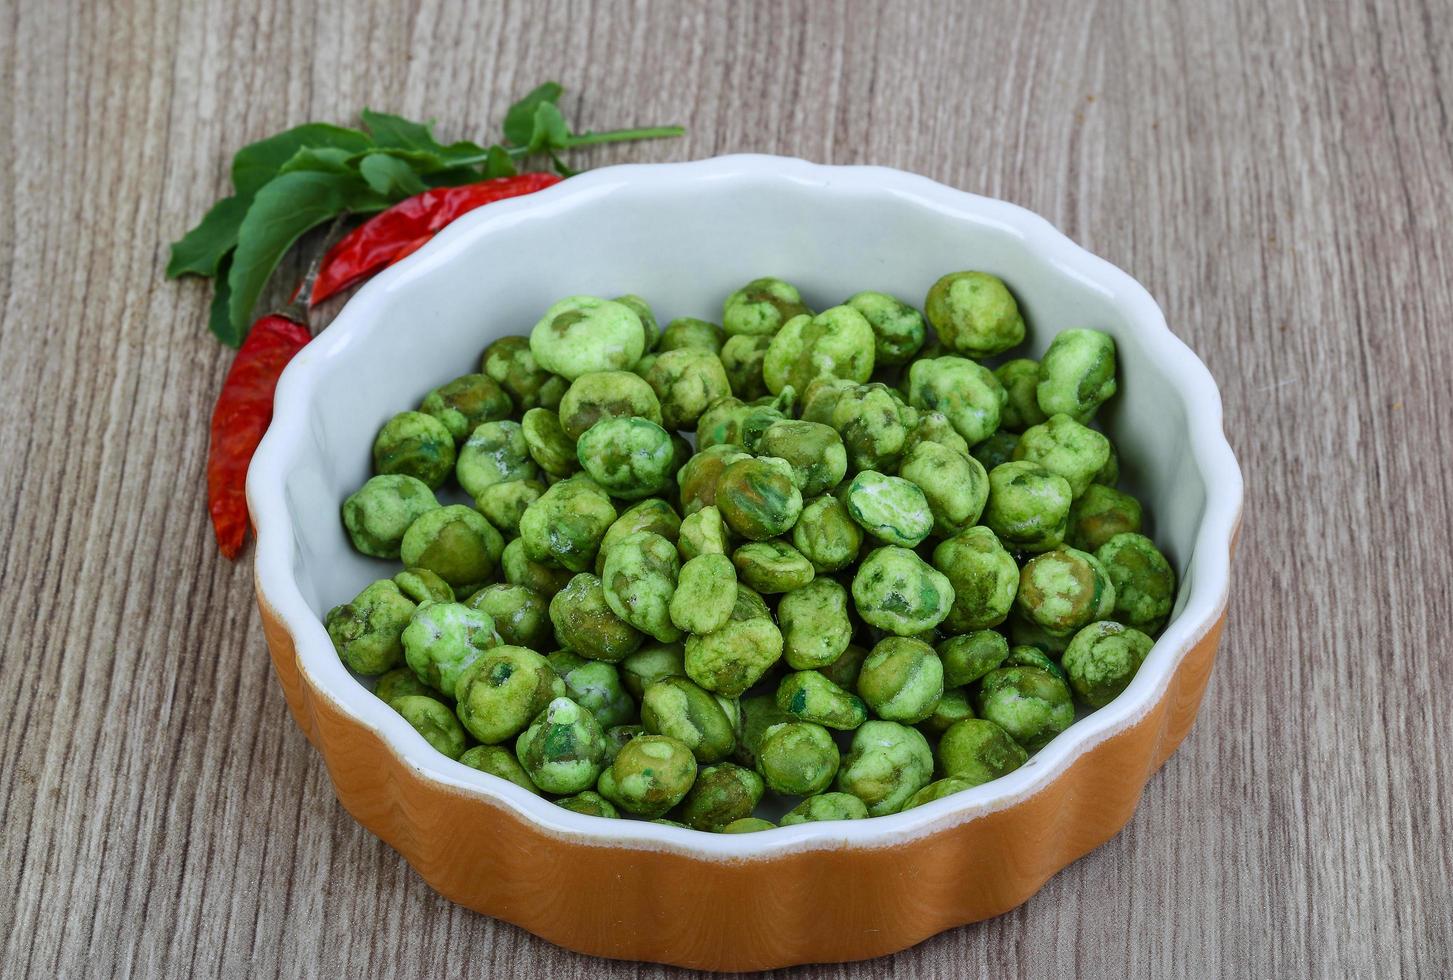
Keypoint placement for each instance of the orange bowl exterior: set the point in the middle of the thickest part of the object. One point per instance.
(851, 903)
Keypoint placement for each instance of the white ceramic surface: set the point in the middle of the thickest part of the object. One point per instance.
(683, 236)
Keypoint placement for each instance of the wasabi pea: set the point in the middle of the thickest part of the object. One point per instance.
(582, 334)
(378, 513)
(952, 708)
(639, 580)
(585, 623)
(465, 403)
(845, 669)
(723, 793)
(596, 686)
(733, 658)
(1065, 448)
(616, 738)
(898, 329)
(1032, 705)
(504, 504)
(422, 585)
(984, 577)
(702, 533)
(826, 806)
(902, 680)
(897, 591)
(649, 664)
(820, 399)
(434, 721)
(686, 382)
(563, 750)
(954, 484)
(937, 790)
(502, 692)
(456, 543)
(606, 395)
(1145, 584)
(757, 497)
(590, 803)
(744, 360)
(689, 333)
(772, 566)
(1029, 507)
(891, 509)
(815, 625)
(813, 450)
(967, 393)
(705, 593)
(1064, 589)
(565, 526)
(551, 449)
(887, 764)
(976, 751)
(650, 775)
(1099, 514)
(748, 825)
(544, 578)
(974, 314)
(873, 425)
(652, 514)
(368, 631)
(704, 722)
(1020, 379)
(809, 696)
(934, 427)
(629, 458)
(1028, 656)
(417, 445)
(970, 656)
(401, 681)
(508, 362)
(798, 758)
(443, 639)
(827, 535)
(1076, 374)
(998, 448)
(761, 307)
(836, 343)
(498, 761)
(700, 478)
(650, 331)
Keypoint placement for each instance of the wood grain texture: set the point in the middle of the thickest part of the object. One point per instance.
(1280, 175)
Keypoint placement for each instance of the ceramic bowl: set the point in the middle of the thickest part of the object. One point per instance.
(684, 235)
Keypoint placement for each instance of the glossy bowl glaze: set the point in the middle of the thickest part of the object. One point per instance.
(684, 235)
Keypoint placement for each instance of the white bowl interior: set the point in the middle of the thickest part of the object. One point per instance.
(684, 236)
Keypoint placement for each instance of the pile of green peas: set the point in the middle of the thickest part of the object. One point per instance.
(886, 572)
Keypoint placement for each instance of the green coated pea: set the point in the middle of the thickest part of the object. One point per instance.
(970, 656)
(443, 639)
(954, 484)
(705, 723)
(744, 359)
(498, 761)
(650, 775)
(758, 713)
(733, 658)
(509, 362)
(1032, 705)
(377, 514)
(495, 452)
(705, 593)
(1099, 514)
(772, 566)
(465, 403)
(417, 445)
(590, 803)
(1028, 656)
(873, 425)
(617, 736)
(967, 393)
(845, 669)
(368, 631)
(1064, 589)
(757, 497)
(937, 790)
(998, 448)
(813, 450)
(887, 764)
(902, 679)
(551, 449)
(503, 691)
(566, 524)
(581, 334)
(401, 681)
(504, 504)
(722, 793)
(1029, 507)
(422, 585)
(898, 329)
(816, 628)
(897, 591)
(952, 708)
(935, 427)
(891, 509)
(701, 476)
(639, 579)
(1109, 474)
(652, 514)
(585, 623)
(606, 395)
(542, 577)
(686, 382)
(761, 307)
(702, 533)
(1076, 374)
(974, 314)
(1102, 659)
(641, 669)
(978, 751)
(798, 758)
(748, 825)
(689, 333)
(628, 457)
(434, 721)
(1025, 632)
(456, 543)
(1065, 448)
(809, 696)
(827, 535)
(563, 750)
(826, 806)
(650, 331)
(1145, 584)
(836, 343)
(596, 686)
(1020, 378)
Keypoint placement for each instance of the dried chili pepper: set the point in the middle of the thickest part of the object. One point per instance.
(241, 417)
(404, 228)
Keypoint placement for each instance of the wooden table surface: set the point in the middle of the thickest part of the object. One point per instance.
(1279, 175)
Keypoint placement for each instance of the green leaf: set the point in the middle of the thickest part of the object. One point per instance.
(452, 177)
(519, 125)
(561, 167)
(551, 130)
(499, 164)
(284, 208)
(324, 159)
(417, 142)
(219, 320)
(390, 176)
(258, 163)
(200, 251)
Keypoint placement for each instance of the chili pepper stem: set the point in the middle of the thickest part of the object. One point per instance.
(297, 307)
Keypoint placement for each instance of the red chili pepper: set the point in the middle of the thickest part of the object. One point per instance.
(242, 415)
(404, 228)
